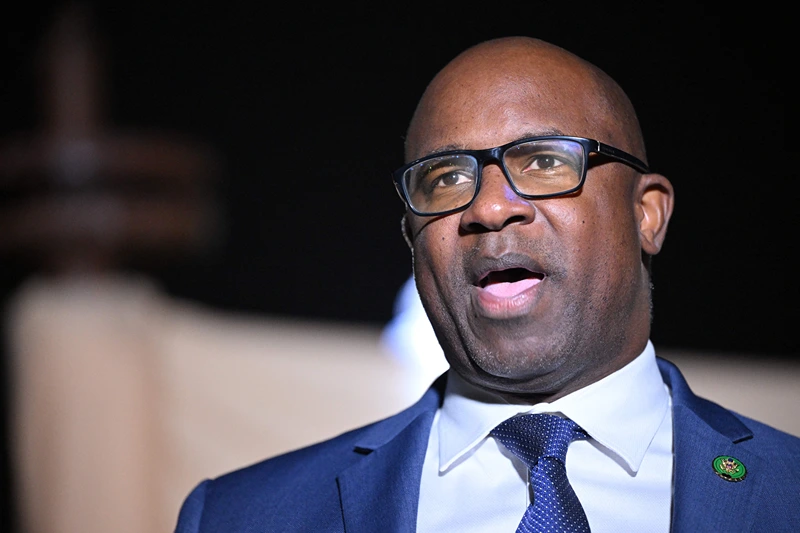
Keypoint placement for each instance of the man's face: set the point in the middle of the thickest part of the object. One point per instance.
(530, 298)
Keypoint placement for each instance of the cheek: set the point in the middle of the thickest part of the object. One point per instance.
(438, 270)
(598, 240)
(575, 227)
(436, 253)
(434, 238)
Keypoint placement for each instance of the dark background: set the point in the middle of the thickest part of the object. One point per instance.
(307, 106)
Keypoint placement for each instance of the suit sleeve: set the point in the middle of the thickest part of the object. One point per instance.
(192, 510)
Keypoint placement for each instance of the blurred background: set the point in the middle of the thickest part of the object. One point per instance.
(228, 166)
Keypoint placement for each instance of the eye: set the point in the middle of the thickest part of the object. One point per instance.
(543, 162)
(449, 179)
(443, 175)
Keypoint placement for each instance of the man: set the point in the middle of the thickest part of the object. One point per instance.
(532, 219)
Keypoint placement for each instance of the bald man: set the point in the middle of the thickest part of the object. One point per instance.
(532, 218)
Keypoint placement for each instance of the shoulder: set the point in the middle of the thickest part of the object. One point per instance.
(691, 410)
(711, 442)
(293, 467)
(704, 430)
(253, 496)
(256, 495)
(737, 426)
(774, 444)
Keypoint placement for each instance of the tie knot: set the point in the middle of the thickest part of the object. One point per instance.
(530, 437)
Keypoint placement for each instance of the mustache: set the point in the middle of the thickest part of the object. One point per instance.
(504, 252)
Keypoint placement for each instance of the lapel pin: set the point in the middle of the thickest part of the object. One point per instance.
(729, 468)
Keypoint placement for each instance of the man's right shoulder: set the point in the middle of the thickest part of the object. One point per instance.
(274, 490)
(258, 495)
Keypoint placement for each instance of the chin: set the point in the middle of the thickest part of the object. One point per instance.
(532, 367)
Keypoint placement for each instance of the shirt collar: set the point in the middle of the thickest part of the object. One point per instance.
(622, 412)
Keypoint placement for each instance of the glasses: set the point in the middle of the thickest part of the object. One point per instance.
(536, 167)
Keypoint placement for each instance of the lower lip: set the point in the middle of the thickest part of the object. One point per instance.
(506, 300)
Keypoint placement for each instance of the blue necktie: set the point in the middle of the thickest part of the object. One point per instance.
(541, 442)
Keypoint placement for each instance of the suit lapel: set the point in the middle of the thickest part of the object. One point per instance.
(703, 501)
(380, 492)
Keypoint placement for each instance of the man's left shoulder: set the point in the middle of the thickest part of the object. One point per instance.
(770, 442)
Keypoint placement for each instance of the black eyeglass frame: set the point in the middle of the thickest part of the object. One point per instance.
(590, 146)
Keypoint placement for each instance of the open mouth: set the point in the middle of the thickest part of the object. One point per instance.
(510, 282)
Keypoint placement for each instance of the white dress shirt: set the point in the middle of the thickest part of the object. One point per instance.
(622, 474)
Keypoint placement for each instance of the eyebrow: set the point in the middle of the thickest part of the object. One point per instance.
(446, 163)
(526, 135)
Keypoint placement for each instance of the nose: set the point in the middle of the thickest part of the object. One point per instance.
(497, 205)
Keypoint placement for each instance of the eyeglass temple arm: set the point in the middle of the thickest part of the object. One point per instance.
(625, 157)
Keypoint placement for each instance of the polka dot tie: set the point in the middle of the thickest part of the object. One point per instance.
(541, 442)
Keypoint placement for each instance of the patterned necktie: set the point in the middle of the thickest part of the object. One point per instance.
(541, 441)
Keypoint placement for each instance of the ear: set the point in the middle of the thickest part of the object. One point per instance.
(656, 198)
(406, 230)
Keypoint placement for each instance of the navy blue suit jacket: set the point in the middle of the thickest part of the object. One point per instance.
(367, 480)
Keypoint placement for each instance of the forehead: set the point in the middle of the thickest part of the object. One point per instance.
(486, 100)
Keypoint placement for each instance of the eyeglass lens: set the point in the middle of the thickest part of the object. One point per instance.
(536, 168)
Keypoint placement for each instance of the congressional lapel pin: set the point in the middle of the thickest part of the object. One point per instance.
(729, 468)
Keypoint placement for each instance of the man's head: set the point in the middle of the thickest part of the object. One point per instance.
(535, 298)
